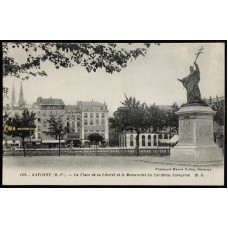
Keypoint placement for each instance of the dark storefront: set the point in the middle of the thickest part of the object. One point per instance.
(73, 138)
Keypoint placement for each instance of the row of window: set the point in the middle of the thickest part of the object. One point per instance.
(92, 114)
(94, 131)
(39, 120)
(73, 124)
(94, 108)
(70, 111)
(91, 122)
(53, 107)
(49, 113)
(72, 117)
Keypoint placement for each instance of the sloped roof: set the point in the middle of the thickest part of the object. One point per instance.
(91, 104)
(72, 107)
(51, 101)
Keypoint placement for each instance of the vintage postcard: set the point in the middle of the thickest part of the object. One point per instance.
(114, 114)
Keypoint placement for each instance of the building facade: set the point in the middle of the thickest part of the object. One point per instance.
(17, 108)
(80, 120)
(46, 108)
(72, 121)
(146, 140)
(94, 119)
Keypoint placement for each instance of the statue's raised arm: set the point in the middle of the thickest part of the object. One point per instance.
(196, 65)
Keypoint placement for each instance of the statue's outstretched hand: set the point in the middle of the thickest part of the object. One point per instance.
(179, 80)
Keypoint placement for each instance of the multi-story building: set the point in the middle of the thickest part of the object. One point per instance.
(86, 118)
(18, 108)
(80, 120)
(72, 120)
(94, 119)
(48, 107)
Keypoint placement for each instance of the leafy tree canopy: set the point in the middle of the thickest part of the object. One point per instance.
(172, 120)
(138, 117)
(95, 137)
(110, 56)
(21, 126)
(56, 127)
(219, 107)
(18, 126)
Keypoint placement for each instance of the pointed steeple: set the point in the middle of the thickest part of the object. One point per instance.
(21, 101)
(13, 97)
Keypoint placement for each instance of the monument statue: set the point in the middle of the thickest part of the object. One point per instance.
(195, 134)
(191, 84)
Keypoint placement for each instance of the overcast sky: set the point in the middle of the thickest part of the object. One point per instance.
(151, 79)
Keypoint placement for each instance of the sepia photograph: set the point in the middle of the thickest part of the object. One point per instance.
(136, 113)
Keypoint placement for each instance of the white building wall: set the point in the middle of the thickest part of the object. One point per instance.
(128, 136)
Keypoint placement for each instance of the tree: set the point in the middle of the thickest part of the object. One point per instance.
(158, 118)
(219, 107)
(219, 118)
(172, 120)
(137, 117)
(21, 126)
(109, 56)
(56, 128)
(95, 137)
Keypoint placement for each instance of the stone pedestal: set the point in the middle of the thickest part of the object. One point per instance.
(196, 141)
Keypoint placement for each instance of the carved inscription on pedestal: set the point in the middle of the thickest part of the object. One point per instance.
(186, 131)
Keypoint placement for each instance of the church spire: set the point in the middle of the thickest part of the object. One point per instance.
(21, 101)
(13, 97)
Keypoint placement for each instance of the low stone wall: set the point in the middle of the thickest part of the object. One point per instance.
(88, 152)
